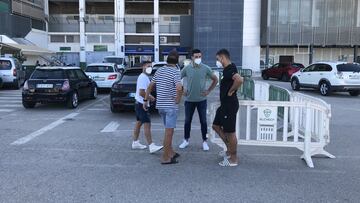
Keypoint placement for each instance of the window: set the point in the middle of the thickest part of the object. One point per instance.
(323, 68)
(107, 39)
(48, 74)
(142, 27)
(81, 74)
(72, 75)
(349, 67)
(310, 68)
(5, 65)
(95, 69)
(72, 38)
(93, 38)
(57, 38)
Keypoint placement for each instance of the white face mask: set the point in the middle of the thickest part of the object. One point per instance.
(218, 64)
(197, 61)
(148, 70)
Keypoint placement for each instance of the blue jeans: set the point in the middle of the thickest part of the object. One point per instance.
(189, 112)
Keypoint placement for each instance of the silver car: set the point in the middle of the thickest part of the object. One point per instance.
(11, 72)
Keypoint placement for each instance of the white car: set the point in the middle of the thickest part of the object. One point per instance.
(329, 77)
(11, 72)
(104, 74)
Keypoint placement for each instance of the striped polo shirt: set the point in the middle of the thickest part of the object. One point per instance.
(166, 78)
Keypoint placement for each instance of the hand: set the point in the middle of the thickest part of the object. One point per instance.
(145, 106)
(230, 93)
(184, 92)
(152, 99)
(205, 93)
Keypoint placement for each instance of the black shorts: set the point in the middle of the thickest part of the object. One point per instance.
(226, 116)
(142, 115)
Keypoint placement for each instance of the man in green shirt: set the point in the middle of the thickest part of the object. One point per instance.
(195, 77)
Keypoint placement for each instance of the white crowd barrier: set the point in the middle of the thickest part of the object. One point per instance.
(304, 125)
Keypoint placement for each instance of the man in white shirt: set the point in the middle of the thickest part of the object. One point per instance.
(142, 116)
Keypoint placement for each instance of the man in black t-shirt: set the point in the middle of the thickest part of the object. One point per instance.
(225, 119)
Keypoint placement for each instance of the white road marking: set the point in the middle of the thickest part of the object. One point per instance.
(111, 127)
(6, 110)
(37, 133)
(10, 105)
(158, 129)
(11, 98)
(99, 109)
(9, 101)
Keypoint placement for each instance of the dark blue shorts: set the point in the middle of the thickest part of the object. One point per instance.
(142, 115)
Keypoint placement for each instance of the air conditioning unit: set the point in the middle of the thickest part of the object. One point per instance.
(163, 40)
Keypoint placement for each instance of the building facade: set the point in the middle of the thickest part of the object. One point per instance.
(310, 30)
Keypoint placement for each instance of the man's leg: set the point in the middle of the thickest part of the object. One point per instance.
(137, 130)
(168, 151)
(201, 108)
(222, 135)
(232, 147)
(189, 113)
(147, 132)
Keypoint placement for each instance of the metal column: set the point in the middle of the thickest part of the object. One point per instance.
(82, 10)
(156, 31)
(119, 22)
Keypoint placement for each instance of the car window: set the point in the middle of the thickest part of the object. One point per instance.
(310, 68)
(81, 75)
(323, 68)
(96, 69)
(48, 74)
(298, 65)
(72, 75)
(5, 64)
(276, 66)
(348, 67)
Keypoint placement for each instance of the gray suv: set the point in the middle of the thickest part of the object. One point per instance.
(11, 72)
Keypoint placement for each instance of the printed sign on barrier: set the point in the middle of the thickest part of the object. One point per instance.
(267, 123)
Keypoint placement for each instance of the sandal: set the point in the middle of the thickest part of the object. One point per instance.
(172, 161)
(226, 163)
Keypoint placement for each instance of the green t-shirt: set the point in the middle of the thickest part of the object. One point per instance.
(195, 79)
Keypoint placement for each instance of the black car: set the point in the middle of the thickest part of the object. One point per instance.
(66, 85)
(122, 95)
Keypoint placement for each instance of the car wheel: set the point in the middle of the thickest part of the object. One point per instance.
(264, 76)
(325, 88)
(73, 101)
(113, 109)
(295, 85)
(354, 93)
(285, 78)
(28, 105)
(94, 93)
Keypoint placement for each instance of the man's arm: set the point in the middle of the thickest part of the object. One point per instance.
(179, 92)
(212, 86)
(142, 93)
(147, 95)
(238, 81)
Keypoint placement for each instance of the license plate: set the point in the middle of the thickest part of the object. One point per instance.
(99, 79)
(132, 95)
(44, 85)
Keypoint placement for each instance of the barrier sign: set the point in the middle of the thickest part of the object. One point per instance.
(267, 123)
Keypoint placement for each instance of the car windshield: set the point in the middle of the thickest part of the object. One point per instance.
(131, 75)
(298, 65)
(114, 60)
(5, 65)
(96, 69)
(48, 74)
(348, 67)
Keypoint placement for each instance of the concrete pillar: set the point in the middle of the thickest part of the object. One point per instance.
(311, 54)
(355, 53)
(251, 35)
(46, 12)
(156, 31)
(82, 10)
(119, 27)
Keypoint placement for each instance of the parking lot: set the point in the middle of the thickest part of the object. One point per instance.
(55, 154)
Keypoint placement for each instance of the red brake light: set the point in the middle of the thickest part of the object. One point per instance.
(112, 77)
(65, 86)
(14, 72)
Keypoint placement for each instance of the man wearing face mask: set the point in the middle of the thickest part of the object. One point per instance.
(225, 119)
(142, 116)
(195, 76)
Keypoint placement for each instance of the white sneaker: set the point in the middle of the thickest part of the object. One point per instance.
(138, 145)
(154, 148)
(205, 146)
(184, 144)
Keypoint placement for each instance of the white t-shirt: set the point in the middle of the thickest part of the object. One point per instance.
(143, 82)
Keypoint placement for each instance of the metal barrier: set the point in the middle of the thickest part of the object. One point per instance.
(309, 135)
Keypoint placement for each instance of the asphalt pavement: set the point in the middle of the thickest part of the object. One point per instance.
(55, 154)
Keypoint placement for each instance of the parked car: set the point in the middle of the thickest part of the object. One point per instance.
(329, 77)
(281, 71)
(122, 95)
(104, 74)
(11, 72)
(66, 85)
(1, 82)
(119, 61)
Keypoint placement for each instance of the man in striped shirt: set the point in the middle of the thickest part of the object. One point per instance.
(169, 91)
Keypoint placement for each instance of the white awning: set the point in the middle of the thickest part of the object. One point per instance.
(30, 49)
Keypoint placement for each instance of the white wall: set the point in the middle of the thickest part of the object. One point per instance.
(251, 35)
(38, 37)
